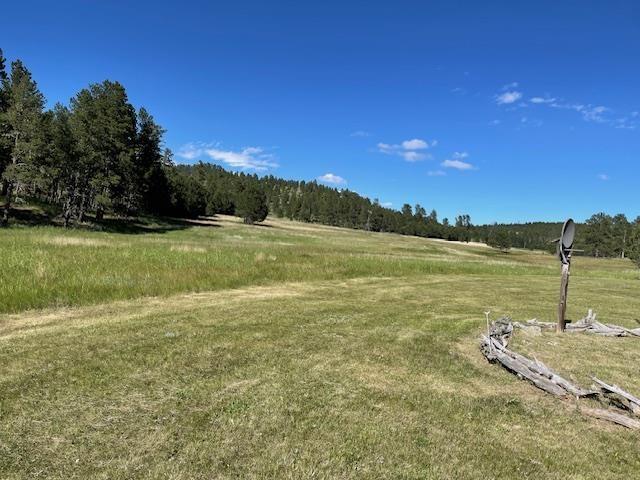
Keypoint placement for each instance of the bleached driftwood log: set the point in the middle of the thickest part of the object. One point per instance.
(588, 324)
(631, 403)
(494, 348)
(611, 416)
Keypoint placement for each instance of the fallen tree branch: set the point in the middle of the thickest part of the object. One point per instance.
(614, 417)
(588, 324)
(494, 347)
(632, 403)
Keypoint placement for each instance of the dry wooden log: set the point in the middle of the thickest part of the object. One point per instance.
(588, 324)
(535, 371)
(494, 348)
(614, 417)
(631, 331)
(632, 403)
(540, 369)
(522, 371)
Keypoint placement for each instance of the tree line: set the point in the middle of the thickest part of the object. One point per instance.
(99, 154)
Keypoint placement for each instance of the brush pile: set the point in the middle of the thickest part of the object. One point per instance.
(494, 347)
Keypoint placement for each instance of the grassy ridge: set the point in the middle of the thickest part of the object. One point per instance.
(344, 355)
(49, 266)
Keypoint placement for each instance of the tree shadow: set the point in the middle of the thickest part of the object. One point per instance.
(46, 215)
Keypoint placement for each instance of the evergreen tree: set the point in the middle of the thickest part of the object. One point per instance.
(151, 180)
(598, 235)
(251, 204)
(500, 239)
(621, 229)
(63, 167)
(25, 132)
(633, 249)
(104, 123)
(5, 146)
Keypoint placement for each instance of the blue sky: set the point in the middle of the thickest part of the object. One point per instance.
(505, 111)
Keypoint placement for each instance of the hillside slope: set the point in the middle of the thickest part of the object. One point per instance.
(292, 351)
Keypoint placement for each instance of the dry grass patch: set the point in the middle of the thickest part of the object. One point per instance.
(187, 248)
(67, 241)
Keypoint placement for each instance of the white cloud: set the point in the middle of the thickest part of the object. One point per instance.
(542, 100)
(589, 113)
(386, 204)
(436, 173)
(603, 176)
(509, 86)
(415, 144)
(457, 162)
(509, 97)
(360, 133)
(190, 151)
(412, 156)
(249, 158)
(594, 114)
(331, 178)
(624, 123)
(409, 149)
(494, 122)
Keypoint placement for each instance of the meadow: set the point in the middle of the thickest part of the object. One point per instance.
(213, 349)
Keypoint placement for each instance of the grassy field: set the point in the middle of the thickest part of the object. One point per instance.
(219, 350)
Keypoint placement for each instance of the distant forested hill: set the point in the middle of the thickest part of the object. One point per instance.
(100, 155)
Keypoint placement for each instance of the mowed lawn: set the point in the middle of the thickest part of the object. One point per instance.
(219, 350)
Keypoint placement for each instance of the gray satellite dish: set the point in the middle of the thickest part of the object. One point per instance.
(566, 240)
(568, 234)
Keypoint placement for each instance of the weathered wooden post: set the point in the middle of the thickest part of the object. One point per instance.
(565, 244)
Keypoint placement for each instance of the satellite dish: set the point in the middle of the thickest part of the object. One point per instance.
(568, 234)
(566, 241)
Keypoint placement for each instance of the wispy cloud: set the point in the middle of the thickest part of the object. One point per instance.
(331, 178)
(436, 173)
(493, 123)
(386, 204)
(248, 158)
(542, 100)
(457, 162)
(360, 133)
(589, 113)
(191, 151)
(411, 150)
(508, 97)
(510, 86)
(603, 176)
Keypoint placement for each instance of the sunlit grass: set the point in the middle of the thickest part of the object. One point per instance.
(309, 352)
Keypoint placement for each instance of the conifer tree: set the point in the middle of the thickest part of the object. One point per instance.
(5, 148)
(104, 123)
(251, 204)
(25, 132)
(151, 179)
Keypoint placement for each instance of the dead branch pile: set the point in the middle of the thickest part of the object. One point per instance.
(494, 347)
(588, 324)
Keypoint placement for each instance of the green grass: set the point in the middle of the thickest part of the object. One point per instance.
(294, 351)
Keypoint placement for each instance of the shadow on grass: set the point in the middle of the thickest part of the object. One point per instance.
(50, 216)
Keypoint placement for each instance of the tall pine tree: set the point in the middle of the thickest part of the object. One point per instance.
(25, 132)
(104, 124)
